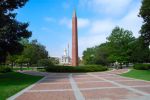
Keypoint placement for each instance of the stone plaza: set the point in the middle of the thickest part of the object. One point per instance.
(85, 86)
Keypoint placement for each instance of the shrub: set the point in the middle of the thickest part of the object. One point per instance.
(4, 69)
(45, 62)
(87, 68)
(142, 66)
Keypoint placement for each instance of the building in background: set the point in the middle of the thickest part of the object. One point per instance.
(66, 59)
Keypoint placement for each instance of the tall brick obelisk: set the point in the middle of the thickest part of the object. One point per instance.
(74, 40)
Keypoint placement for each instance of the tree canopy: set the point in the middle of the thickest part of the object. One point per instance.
(89, 55)
(145, 14)
(11, 30)
(121, 46)
(33, 52)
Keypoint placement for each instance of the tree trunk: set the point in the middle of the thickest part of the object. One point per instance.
(21, 69)
(12, 65)
(28, 65)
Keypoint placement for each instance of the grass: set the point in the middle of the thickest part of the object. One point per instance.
(13, 82)
(138, 74)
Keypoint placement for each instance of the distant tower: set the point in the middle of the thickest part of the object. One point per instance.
(65, 52)
(65, 55)
(68, 49)
(74, 40)
(68, 55)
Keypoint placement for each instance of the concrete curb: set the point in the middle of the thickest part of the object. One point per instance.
(126, 71)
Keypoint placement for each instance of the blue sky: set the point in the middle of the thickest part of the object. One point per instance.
(50, 21)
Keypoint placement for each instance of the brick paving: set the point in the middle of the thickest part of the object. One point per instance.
(86, 86)
(55, 95)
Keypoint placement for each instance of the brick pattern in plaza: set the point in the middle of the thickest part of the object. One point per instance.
(89, 86)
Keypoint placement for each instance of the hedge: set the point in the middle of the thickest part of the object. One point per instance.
(142, 66)
(5, 69)
(87, 68)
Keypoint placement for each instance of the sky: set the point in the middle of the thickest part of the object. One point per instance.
(50, 21)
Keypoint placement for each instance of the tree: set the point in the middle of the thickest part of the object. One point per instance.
(89, 55)
(34, 51)
(45, 63)
(101, 54)
(96, 55)
(11, 30)
(115, 49)
(119, 43)
(11, 59)
(145, 14)
(139, 52)
(121, 46)
(54, 60)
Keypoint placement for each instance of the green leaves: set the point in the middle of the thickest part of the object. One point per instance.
(35, 51)
(89, 55)
(11, 30)
(119, 41)
(122, 46)
(32, 53)
(145, 14)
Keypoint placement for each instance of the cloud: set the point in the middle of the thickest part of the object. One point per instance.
(99, 29)
(49, 19)
(82, 22)
(131, 21)
(96, 34)
(108, 7)
(65, 21)
(101, 26)
(66, 5)
(90, 41)
(45, 29)
(94, 30)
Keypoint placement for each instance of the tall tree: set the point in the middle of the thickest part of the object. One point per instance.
(116, 48)
(119, 42)
(101, 54)
(139, 52)
(11, 30)
(145, 14)
(34, 51)
(89, 56)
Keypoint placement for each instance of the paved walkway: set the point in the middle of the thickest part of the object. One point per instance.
(86, 86)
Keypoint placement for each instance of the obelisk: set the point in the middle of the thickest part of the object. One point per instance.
(74, 40)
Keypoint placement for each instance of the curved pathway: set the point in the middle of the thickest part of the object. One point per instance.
(85, 86)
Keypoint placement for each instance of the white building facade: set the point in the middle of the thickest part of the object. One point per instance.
(65, 59)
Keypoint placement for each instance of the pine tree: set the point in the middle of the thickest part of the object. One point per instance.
(11, 30)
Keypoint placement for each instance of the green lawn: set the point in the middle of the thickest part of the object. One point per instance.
(11, 83)
(138, 74)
